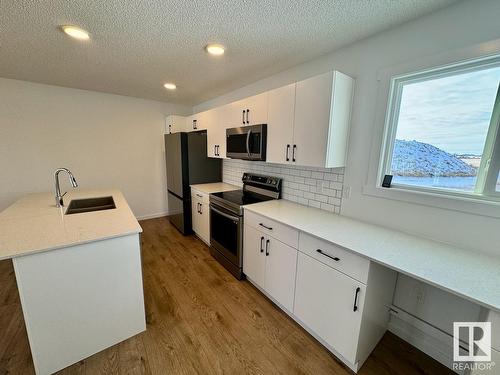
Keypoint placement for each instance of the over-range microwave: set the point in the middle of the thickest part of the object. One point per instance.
(247, 142)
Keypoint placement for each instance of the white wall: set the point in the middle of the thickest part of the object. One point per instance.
(107, 141)
(459, 26)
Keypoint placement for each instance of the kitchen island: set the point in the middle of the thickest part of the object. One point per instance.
(79, 276)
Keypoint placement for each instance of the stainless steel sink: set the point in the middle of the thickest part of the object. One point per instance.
(78, 206)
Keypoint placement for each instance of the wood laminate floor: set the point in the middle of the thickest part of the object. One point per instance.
(200, 320)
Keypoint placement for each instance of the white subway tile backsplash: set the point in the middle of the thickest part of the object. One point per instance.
(314, 187)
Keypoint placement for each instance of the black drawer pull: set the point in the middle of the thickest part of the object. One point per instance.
(355, 308)
(326, 255)
(265, 226)
(287, 151)
(261, 244)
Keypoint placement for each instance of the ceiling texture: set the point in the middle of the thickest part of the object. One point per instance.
(136, 46)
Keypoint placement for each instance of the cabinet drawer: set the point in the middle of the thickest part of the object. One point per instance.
(335, 256)
(277, 230)
(195, 194)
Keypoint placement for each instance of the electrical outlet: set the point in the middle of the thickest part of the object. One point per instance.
(346, 193)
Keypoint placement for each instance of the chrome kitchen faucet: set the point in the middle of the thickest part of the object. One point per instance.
(59, 197)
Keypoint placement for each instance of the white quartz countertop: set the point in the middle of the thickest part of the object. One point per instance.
(214, 187)
(35, 224)
(472, 275)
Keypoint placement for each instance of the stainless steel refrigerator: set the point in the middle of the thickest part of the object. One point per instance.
(187, 164)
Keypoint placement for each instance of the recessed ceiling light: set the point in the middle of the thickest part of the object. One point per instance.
(215, 49)
(75, 32)
(170, 86)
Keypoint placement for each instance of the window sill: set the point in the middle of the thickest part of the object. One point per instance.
(468, 205)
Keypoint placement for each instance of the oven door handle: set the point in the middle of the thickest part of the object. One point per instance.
(231, 217)
(248, 142)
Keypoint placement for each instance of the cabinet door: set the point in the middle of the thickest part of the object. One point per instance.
(175, 124)
(195, 204)
(281, 265)
(325, 300)
(280, 124)
(216, 132)
(313, 100)
(256, 107)
(204, 222)
(254, 258)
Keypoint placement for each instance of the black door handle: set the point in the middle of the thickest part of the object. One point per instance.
(265, 226)
(267, 248)
(243, 117)
(326, 255)
(287, 152)
(262, 244)
(248, 112)
(293, 152)
(355, 308)
(201, 206)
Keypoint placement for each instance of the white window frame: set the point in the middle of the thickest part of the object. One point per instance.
(384, 133)
(484, 173)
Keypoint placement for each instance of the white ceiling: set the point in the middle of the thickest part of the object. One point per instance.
(136, 46)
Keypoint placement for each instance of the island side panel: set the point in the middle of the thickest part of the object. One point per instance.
(80, 300)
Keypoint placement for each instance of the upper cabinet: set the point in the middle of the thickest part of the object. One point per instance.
(248, 111)
(175, 124)
(307, 121)
(281, 102)
(322, 117)
(212, 120)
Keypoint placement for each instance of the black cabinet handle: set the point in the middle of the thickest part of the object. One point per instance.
(262, 244)
(218, 150)
(293, 152)
(267, 248)
(201, 206)
(243, 117)
(248, 112)
(287, 152)
(170, 129)
(195, 124)
(355, 308)
(326, 255)
(198, 207)
(265, 226)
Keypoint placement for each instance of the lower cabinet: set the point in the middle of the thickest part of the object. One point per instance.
(341, 298)
(200, 215)
(271, 265)
(330, 303)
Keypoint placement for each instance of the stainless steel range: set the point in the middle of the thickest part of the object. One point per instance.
(226, 218)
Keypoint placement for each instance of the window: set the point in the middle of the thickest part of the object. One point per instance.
(442, 130)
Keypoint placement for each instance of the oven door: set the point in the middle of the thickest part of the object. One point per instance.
(246, 142)
(226, 234)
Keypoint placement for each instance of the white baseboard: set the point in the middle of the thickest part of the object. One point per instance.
(153, 216)
(425, 337)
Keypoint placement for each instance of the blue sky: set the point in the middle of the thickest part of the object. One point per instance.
(452, 113)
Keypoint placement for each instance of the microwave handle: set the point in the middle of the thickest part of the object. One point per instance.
(248, 142)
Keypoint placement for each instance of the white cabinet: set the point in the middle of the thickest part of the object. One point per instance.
(321, 121)
(341, 298)
(330, 303)
(254, 260)
(270, 264)
(192, 123)
(248, 111)
(308, 121)
(281, 264)
(280, 124)
(175, 124)
(212, 120)
(200, 215)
